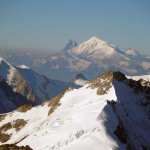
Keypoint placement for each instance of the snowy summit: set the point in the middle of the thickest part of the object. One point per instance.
(95, 46)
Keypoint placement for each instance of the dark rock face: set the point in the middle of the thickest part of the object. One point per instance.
(140, 87)
(119, 76)
(10, 100)
(120, 132)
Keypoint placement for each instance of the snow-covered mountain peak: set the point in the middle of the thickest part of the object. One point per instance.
(70, 44)
(95, 47)
(94, 40)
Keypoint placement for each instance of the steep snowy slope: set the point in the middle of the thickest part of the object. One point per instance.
(16, 80)
(110, 112)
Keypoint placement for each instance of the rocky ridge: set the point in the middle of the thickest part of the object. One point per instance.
(110, 102)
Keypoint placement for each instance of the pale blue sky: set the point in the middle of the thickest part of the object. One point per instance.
(48, 24)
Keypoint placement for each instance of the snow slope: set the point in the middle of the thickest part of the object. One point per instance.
(68, 127)
(85, 118)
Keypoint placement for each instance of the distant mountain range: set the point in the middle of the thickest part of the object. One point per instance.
(109, 112)
(90, 58)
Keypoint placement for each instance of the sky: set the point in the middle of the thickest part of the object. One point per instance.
(46, 25)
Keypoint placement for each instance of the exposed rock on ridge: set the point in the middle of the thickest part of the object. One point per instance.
(105, 81)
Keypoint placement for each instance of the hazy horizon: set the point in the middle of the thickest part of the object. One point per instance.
(46, 26)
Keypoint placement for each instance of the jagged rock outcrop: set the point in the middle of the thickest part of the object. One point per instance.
(104, 81)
